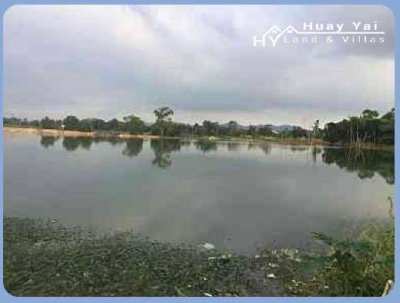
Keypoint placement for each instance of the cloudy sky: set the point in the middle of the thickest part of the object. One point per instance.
(106, 61)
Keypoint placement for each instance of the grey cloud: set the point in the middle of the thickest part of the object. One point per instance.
(106, 61)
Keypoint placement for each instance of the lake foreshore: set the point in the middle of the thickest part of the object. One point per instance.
(7, 130)
(45, 258)
(74, 134)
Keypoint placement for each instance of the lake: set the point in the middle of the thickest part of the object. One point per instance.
(237, 196)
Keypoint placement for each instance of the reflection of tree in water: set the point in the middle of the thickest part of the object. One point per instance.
(365, 162)
(186, 143)
(73, 143)
(47, 141)
(133, 147)
(206, 145)
(233, 146)
(265, 147)
(298, 148)
(114, 140)
(252, 146)
(315, 151)
(162, 151)
(86, 142)
(70, 144)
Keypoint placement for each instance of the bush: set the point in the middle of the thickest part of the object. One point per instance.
(361, 267)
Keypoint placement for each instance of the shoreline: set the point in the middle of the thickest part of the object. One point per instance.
(82, 263)
(7, 130)
(74, 133)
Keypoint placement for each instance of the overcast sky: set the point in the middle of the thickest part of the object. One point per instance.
(110, 61)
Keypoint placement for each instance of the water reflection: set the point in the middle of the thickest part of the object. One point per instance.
(364, 162)
(265, 147)
(47, 141)
(162, 151)
(315, 151)
(86, 143)
(299, 148)
(233, 146)
(71, 144)
(133, 147)
(206, 145)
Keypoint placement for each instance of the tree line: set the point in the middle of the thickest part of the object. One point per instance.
(369, 127)
(163, 126)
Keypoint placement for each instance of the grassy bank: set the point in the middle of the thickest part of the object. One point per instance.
(43, 258)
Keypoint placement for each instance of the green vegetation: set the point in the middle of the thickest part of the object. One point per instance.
(163, 119)
(367, 128)
(43, 258)
(360, 267)
(134, 125)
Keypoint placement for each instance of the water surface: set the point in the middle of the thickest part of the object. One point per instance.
(234, 195)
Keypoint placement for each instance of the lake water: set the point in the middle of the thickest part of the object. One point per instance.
(233, 195)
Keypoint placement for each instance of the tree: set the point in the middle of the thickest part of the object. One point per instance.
(48, 123)
(134, 124)
(265, 130)
(367, 127)
(252, 131)
(233, 127)
(86, 125)
(163, 118)
(71, 123)
(316, 130)
(299, 132)
(370, 114)
(113, 125)
(210, 128)
(99, 124)
(389, 115)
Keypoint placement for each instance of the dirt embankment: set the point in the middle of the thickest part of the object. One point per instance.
(71, 133)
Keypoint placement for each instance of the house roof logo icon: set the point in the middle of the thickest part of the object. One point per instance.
(273, 34)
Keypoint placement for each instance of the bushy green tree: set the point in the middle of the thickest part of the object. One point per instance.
(71, 123)
(134, 125)
(48, 123)
(163, 118)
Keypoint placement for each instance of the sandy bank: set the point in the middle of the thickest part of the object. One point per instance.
(71, 133)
